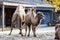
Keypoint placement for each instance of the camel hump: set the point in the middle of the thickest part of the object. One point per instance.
(39, 13)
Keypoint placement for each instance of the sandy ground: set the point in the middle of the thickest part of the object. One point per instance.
(45, 33)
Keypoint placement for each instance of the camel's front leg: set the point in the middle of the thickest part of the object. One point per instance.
(20, 27)
(25, 30)
(20, 30)
(29, 30)
(33, 28)
(12, 26)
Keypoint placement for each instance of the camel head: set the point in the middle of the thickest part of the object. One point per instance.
(40, 15)
(31, 9)
(21, 7)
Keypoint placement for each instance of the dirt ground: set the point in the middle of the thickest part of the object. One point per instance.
(47, 33)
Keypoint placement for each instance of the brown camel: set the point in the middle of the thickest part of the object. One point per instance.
(18, 17)
(57, 31)
(34, 21)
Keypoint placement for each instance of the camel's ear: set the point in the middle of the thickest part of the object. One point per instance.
(29, 9)
(23, 7)
(32, 7)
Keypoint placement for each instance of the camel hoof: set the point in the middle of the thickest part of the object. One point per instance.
(34, 35)
(28, 35)
(56, 38)
(9, 34)
(25, 34)
(21, 34)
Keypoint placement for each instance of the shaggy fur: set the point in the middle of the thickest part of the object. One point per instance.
(57, 32)
(18, 17)
(34, 21)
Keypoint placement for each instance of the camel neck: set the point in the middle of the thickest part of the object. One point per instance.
(38, 19)
(32, 13)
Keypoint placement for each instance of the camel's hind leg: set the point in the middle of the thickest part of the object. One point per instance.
(33, 28)
(29, 30)
(25, 30)
(12, 26)
(20, 27)
(20, 30)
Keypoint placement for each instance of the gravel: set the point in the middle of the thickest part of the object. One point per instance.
(43, 35)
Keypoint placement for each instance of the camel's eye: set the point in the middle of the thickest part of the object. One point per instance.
(40, 15)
